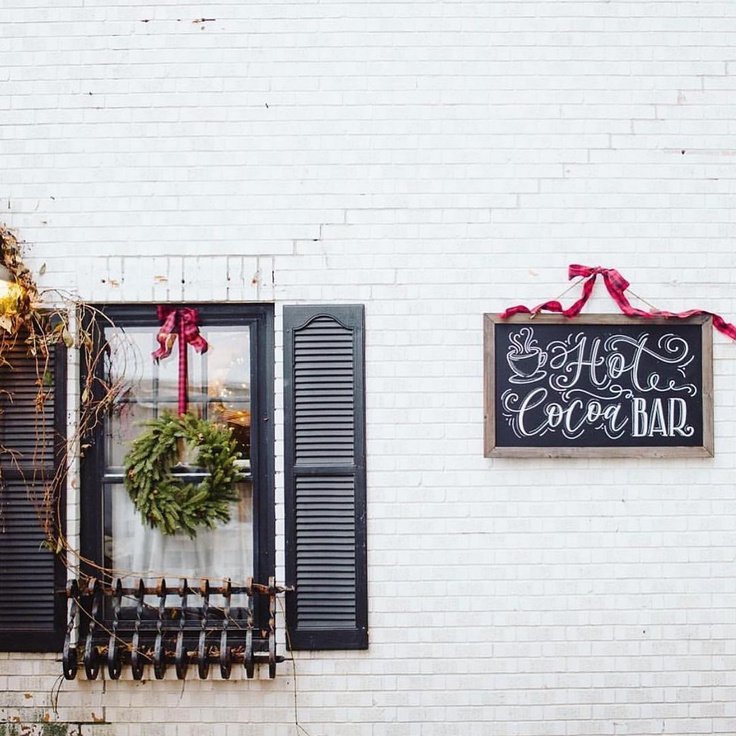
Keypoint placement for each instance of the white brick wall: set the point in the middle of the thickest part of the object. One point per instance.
(434, 160)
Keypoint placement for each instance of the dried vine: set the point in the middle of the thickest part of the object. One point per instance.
(39, 322)
(30, 325)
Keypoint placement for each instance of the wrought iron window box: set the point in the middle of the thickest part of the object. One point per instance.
(114, 635)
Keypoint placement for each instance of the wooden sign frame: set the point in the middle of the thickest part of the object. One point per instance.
(497, 446)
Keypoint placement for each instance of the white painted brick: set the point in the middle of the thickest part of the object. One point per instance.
(434, 161)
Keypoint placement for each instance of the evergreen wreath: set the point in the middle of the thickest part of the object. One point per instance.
(169, 503)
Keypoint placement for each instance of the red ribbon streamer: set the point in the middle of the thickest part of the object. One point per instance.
(616, 285)
(181, 323)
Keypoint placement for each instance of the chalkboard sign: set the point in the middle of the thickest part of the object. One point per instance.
(597, 386)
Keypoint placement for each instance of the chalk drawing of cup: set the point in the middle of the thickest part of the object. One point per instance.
(525, 358)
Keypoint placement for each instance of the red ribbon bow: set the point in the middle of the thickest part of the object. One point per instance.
(181, 323)
(616, 285)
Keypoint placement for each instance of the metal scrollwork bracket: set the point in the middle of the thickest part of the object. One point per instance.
(69, 656)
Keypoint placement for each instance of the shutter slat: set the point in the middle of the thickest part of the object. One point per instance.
(325, 545)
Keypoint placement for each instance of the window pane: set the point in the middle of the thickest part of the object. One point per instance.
(122, 429)
(132, 547)
(228, 385)
(218, 390)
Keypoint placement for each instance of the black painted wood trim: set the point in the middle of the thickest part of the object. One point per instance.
(51, 638)
(326, 637)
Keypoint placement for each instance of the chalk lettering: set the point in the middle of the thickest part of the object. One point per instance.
(617, 384)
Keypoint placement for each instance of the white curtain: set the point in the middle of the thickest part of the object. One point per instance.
(223, 552)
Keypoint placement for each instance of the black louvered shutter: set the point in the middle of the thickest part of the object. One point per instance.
(324, 433)
(31, 576)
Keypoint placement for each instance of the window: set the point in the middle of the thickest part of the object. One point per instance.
(325, 494)
(231, 383)
(32, 607)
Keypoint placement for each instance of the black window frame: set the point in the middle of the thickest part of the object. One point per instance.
(260, 318)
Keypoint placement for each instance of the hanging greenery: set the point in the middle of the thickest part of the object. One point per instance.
(168, 502)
